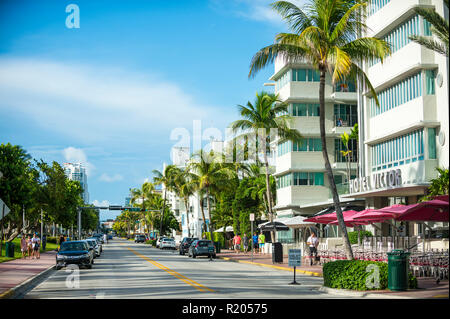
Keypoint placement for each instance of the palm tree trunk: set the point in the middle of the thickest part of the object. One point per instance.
(209, 213)
(162, 213)
(203, 215)
(187, 216)
(334, 192)
(269, 194)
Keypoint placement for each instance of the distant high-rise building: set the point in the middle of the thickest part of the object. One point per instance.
(77, 172)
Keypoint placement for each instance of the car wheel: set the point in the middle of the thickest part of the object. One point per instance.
(193, 255)
(89, 266)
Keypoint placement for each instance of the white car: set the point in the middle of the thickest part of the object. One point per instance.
(167, 243)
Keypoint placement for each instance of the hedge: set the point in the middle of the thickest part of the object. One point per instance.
(352, 274)
(353, 236)
(151, 242)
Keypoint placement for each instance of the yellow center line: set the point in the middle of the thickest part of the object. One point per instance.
(173, 273)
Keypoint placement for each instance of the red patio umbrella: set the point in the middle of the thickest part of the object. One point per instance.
(328, 218)
(380, 215)
(433, 211)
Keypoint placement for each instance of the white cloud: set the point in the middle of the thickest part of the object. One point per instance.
(110, 179)
(76, 155)
(96, 105)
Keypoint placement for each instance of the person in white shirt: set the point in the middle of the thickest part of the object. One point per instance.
(312, 243)
(105, 238)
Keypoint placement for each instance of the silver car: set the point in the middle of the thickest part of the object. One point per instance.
(93, 243)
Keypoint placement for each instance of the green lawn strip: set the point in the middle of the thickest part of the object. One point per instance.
(18, 253)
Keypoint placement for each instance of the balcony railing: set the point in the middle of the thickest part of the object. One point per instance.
(339, 158)
(345, 87)
(345, 120)
(342, 189)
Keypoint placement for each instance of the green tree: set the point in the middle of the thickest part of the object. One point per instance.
(258, 119)
(327, 35)
(439, 185)
(439, 28)
(145, 195)
(210, 176)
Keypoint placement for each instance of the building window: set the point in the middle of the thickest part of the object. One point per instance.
(305, 145)
(339, 147)
(398, 94)
(303, 109)
(430, 76)
(398, 151)
(305, 75)
(432, 143)
(399, 37)
(345, 115)
(375, 5)
(301, 179)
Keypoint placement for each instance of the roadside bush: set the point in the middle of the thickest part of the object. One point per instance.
(151, 242)
(53, 240)
(353, 236)
(218, 237)
(352, 274)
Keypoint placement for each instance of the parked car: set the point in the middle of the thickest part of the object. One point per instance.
(185, 243)
(110, 237)
(98, 243)
(167, 243)
(202, 248)
(139, 239)
(158, 241)
(94, 244)
(100, 237)
(75, 252)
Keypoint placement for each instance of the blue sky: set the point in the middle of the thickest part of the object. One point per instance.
(110, 93)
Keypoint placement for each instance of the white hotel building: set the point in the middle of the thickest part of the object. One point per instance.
(405, 138)
(407, 135)
(77, 172)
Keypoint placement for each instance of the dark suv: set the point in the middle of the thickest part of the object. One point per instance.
(185, 243)
(202, 248)
(139, 239)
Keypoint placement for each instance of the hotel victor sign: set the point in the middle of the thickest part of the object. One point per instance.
(391, 178)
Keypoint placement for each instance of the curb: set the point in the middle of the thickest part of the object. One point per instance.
(305, 272)
(12, 292)
(347, 292)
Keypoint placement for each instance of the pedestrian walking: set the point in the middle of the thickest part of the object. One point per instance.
(24, 246)
(245, 242)
(36, 243)
(237, 243)
(61, 240)
(312, 243)
(44, 241)
(261, 241)
(255, 242)
(105, 238)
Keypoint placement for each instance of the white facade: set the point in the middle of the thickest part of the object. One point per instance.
(302, 183)
(77, 172)
(407, 135)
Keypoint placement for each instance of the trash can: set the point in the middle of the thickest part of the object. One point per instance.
(217, 245)
(398, 264)
(9, 249)
(277, 253)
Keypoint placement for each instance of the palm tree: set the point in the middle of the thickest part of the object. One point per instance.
(165, 178)
(267, 113)
(184, 188)
(439, 27)
(144, 194)
(326, 35)
(209, 175)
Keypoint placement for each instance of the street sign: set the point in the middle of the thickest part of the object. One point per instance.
(295, 257)
(252, 217)
(4, 209)
(115, 207)
(295, 260)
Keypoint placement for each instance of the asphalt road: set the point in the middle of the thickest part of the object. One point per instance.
(129, 270)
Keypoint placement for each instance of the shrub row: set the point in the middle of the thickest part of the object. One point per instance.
(356, 275)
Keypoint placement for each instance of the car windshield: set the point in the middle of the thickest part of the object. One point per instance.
(71, 246)
(167, 239)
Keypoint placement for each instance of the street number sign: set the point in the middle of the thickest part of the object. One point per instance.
(295, 257)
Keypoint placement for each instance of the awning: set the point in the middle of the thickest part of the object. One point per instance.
(275, 226)
(298, 222)
(279, 220)
(229, 229)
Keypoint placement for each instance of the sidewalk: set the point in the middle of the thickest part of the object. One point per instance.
(427, 286)
(18, 271)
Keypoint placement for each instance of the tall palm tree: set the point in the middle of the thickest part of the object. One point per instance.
(326, 34)
(184, 188)
(209, 175)
(266, 113)
(439, 27)
(165, 178)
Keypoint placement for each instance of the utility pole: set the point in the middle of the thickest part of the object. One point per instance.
(42, 223)
(79, 223)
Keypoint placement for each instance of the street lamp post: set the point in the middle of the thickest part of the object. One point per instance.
(79, 223)
(252, 218)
